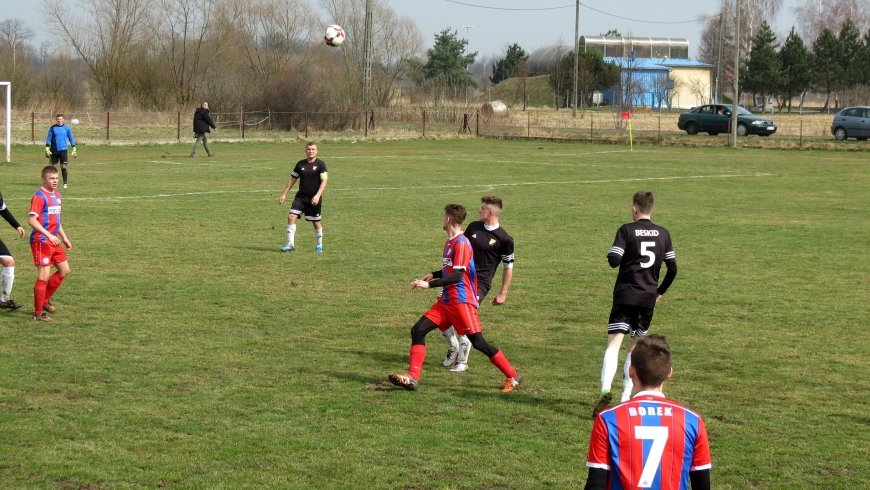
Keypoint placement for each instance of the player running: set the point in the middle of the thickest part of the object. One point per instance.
(56, 146)
(8, 275)
(649, 441)
(311, 173)
(45, 244)
(639, 250)
(491, 244)
(456, 306)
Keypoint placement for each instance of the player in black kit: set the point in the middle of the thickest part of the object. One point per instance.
(8, 274)
(491, 245)
(638, 250)
(311, 173)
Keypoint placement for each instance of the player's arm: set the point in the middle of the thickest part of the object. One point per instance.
(452, 278)
(62, 235)
(597, 479)
(507, 273)
(700, 479)
(72, 140)
(323, 180)
(671, 264)
(37, 226)
(290, 183)
(617, 250)
(7, 215)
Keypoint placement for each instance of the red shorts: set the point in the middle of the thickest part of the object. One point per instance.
(46, 254)
(463, 317)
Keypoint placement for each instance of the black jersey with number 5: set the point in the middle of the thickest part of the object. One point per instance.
(490, 248)
(640, 248)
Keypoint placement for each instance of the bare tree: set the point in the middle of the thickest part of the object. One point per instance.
(275, 37)
(14, 36)
(814, 16)
(396, 42)
(105, 35)
(187, 35)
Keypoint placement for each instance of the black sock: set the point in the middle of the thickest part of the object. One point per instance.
(63, 172)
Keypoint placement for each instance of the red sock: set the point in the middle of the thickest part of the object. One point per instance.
(418, 355)
(503, 365)
(39, 296)
(53, 283)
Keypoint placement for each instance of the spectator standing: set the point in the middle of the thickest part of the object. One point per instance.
(202, 125)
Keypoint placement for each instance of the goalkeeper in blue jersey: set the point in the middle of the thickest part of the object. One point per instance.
(56, 146)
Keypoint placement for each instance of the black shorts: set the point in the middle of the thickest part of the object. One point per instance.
(4, 251)
(630, 319)
(302, 205)
(59, 156)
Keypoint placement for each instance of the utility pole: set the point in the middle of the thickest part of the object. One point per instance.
(736, 77)
(466, 66)
(576, 53)
(367, 55)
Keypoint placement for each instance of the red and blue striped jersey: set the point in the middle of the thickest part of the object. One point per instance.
(649, 442)
(46, 206)
(458, 254)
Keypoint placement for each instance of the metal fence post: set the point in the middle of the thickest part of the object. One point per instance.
(477, 123)
(178, 130)
(366, 124)
(32, 123)
(243, 124)
(107, 126)
(591, 124)
(306, 124)
(424, 124)
(801, 137)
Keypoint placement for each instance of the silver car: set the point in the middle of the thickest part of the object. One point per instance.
(852, 122)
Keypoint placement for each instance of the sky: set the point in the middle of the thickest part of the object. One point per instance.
(494, 28)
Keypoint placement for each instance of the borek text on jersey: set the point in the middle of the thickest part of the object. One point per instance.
(653, 411)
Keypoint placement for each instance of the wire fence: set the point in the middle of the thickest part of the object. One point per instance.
(394, 123)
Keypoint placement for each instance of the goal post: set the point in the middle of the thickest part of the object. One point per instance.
(8, 86)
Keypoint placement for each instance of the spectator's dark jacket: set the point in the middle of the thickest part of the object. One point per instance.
(202, 121)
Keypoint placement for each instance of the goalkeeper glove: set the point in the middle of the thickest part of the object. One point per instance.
(47, 151)
(74, 151)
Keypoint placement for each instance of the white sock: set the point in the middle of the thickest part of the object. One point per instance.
(8, 276)
(608, 369)
(291, 234)
(318, 236)
(464, 350)
(450, 337)
(627, 384)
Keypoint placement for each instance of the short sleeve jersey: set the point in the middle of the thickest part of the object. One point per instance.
(642, 247)
(649, 442)
(490, 247)
(45, 205)
(309, 175)
(459, 255)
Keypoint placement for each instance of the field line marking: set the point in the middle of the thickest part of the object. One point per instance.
(458, 186)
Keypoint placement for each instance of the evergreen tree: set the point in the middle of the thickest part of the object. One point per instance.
(593, 73)
(796, 62)
(507, 67)
(850, 54)
(827, 71)
(763, 73)
(447, 62)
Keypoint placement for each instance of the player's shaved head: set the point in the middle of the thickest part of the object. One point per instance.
(455, 212)
(494, 202)
(643, 201)
(651, 359)
(48, 170)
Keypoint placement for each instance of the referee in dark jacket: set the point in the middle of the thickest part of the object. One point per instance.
(201, 124)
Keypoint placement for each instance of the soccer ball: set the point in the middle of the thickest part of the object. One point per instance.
(75, 121)
(334, 36)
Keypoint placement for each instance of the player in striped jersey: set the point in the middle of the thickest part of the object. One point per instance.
(649, 441)
(491, 245)
(45, 244)
(456, 306)
(639, 250)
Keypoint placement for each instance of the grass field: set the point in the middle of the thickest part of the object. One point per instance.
(188, 352)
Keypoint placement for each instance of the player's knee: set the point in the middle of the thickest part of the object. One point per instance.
(420, 329)
(480, 343)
